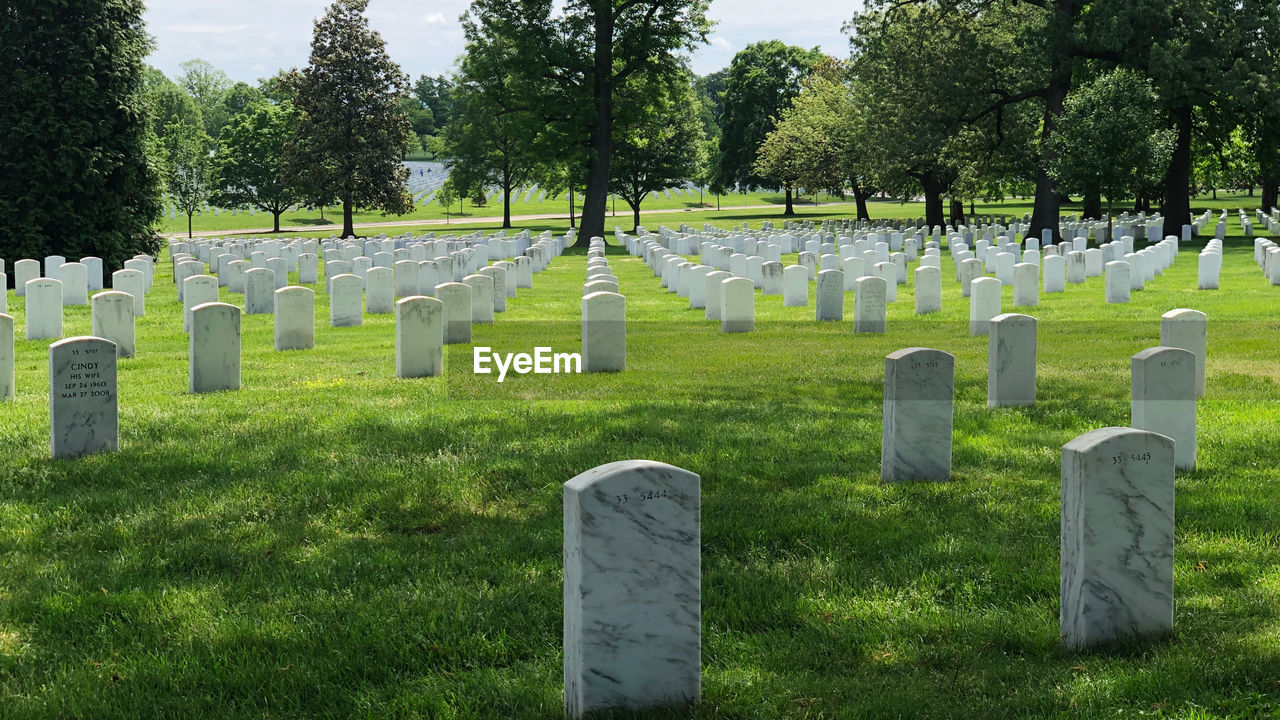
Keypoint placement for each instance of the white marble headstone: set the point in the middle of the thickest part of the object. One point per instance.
(457, 311)
(632, 587)
(1187, 329)
(928, 289)
(829, 295)
(83, 410)
(419, 337)
(604, 332)
(111, 318)
(1116, 550)
(869, 306)
(1164, 398)
(346, 301)
(379, 290)
(737, 305)
(133, 282)
(481, 298)
(919, 390)
(1011, 361)
(214, 348)
(295, 318)
(44, 309)
(984, 304)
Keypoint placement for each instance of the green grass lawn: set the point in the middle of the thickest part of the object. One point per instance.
(676, 211)
(332, 542)
(434, 211)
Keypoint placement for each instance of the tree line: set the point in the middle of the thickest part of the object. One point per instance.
(1140, 102)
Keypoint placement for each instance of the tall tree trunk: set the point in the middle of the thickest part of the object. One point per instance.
(635, 217)
(593, 208)
(348, 228)
(790, 208)
(506, 200)
(571, 215)
(189, 225)
(860, 197)
(1047, 208)
(1092, 206)
(276, 215)
(957, 212)
(932, 201)
(1177, 196)
(1270, 189)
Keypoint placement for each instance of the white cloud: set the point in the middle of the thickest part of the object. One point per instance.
(434, 19)
(721, 43)
(210, 29)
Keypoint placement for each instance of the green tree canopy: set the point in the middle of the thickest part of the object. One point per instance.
(761, 81)
(249, 165)
(208, 87)
(494, 136)
(1110, 141)
(188, 167)
(78, 177)
(352, 131)
(583, 52)
(810, 146)
(658, 138)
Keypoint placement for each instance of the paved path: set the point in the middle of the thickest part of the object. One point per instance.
(329, 229)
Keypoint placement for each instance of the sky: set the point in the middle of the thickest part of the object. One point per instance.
(251, 39)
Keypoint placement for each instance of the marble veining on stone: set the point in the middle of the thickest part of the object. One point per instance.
(83, 404)
(632, 587)
(1116, 536)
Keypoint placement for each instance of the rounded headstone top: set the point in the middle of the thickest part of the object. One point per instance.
(1184, 314)
(1104, 436)
(1013, 319)
(604, 472)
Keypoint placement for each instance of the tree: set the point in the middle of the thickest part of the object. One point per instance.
(586, 51)
(1110, 140)
(810, 144)
(189, 167)
(352, 131)
(171, 104)
(658, 139)
(421, 121)
(493, 136)
(249, 164)
(208, 87)
(274, 88)
(239, 98)
(762, 80)
(435, 93)
(914, 83)
(78, 177)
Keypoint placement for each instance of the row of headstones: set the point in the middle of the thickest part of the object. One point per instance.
(427, 318)
(730, 299)
(604, 314)
(1270, 219)
(919, 382)
(83, 371)
(1124, 269)
(1267, 256)
(214, 342)
(792, 281)
(45, 298)
(632, 629)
